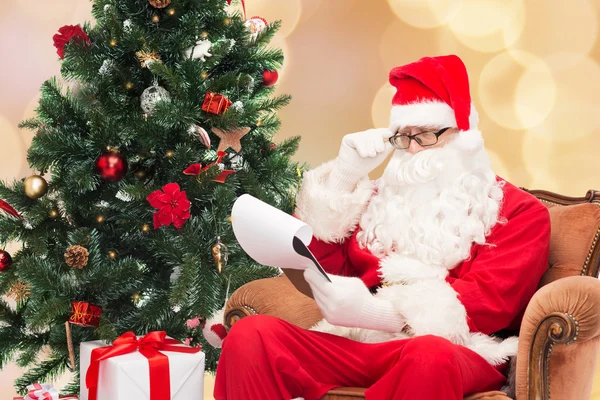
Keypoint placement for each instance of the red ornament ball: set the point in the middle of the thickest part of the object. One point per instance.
(5, 261)
(111, 166)
(270, 78)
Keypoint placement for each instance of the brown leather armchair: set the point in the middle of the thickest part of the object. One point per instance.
(560, 332)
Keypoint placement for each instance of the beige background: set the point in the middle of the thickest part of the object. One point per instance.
(534, 70)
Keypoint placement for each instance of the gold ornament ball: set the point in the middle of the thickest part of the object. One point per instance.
(112, 254)
(169, 153)
(171, 11)
(230, 219)
(35, 187)
(259, 122)
(204, 35)
(140, 174)
(100, 219)
(129, 86)
(135, 297)
(53, 213)
(155, 19)
(204, 75)
(145, 228)
(227, 21)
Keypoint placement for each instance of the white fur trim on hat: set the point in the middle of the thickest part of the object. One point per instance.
(427, 114)
(332, 214)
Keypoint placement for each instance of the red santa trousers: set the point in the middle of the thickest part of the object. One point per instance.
(266, 358)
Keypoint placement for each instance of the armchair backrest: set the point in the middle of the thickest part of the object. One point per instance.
(575, 236)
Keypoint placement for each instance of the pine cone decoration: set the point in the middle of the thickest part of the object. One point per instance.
(76, 256)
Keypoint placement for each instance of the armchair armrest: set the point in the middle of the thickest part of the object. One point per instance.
(559, 341)
(272, 296)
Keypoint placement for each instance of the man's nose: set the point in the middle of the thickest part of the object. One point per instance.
(414, 147)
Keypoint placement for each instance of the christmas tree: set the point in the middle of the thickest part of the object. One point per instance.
(126, 226)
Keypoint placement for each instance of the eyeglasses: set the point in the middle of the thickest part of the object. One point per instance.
(402, 140)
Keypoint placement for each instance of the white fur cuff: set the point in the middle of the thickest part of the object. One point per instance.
(431, 307)
(333, 214)
(397, 268)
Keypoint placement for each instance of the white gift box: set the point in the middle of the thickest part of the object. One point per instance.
(127, 376)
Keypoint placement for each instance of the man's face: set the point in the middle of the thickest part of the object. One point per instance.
(415, 147)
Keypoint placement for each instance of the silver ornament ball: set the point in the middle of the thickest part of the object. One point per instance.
(152, 96)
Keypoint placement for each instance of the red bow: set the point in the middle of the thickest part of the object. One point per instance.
(243, 6)
(148, 346)
(197, 169)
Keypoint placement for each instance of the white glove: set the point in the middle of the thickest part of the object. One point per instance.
(346, 301)
(360, 153)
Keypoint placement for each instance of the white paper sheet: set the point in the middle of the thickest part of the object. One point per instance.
(267, 235)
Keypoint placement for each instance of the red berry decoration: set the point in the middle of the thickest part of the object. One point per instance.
(5, 261)
(270, 78)
(111, 166)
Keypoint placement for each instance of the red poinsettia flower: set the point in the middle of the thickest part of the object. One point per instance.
(172, 204)
(66, 34)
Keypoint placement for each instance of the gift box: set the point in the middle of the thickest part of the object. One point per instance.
(85, 314)
(44, 391)
(215, 103)
(150, 368)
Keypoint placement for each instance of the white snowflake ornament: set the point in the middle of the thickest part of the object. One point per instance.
(238, 106)
(127, 24)
(106, 67)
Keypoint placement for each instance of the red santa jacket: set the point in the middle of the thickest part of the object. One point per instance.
(494, 285)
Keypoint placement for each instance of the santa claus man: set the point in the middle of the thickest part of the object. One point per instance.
(431, 265)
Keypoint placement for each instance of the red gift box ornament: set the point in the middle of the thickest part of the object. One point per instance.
(149, 346)
(215, 103)
(85, 314)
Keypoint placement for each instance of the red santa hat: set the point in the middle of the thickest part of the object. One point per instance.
(432, 91)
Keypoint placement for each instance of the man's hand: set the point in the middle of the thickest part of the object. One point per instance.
(360, 153)
(342, 300)
(366, 150)
(346, 301)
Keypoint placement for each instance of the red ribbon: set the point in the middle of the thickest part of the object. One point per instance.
(243, 6)
(148, 346)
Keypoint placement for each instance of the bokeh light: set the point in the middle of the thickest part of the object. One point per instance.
(12, 151)
(488, 25)
(425, 13)
(498, 165)
(382, 105)
(576, 112)
(517, 90)
(559, 26)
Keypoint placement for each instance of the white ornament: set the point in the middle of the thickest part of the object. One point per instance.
(151, 96)
(255, 26)
(107, 8)
(107, 65)
(236, 161)
(127, 24)
(238, 106)
(199, 51)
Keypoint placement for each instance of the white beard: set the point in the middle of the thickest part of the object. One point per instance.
(433, 205)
